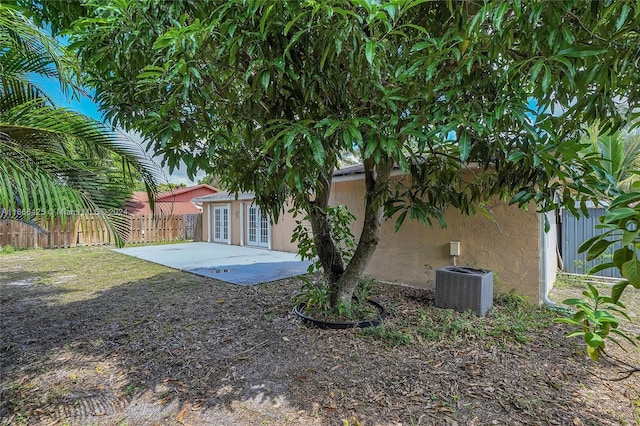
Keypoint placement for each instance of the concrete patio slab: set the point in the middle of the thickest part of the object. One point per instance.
(232, 264)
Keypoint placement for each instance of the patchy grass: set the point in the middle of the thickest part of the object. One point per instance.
(74, 274)
(510, 321)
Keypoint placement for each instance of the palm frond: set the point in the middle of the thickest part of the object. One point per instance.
(56, 162)
(26, 49)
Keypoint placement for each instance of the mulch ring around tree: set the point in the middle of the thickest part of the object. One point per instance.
(175, 348)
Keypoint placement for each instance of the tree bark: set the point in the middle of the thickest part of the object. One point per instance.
(328, 253)
(376, 182)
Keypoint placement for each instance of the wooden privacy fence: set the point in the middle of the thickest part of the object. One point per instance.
(22, 235)
(90, 231)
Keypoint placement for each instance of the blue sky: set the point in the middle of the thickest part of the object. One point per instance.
(84, 105)
(88, 107)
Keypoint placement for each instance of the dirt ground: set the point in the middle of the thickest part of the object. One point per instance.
(92, 337)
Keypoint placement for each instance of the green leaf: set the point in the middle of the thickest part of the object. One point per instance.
(623, 16)
(601, 267)
(416, 27)
(631, 271)
(624, 336)
(593, 352)
(593, 340)
(572, 322)
(346, 138)
(318, 150)
(265, 18)
(594, 291)
(582, 52)
(498, 15)
(535, 70)
(515, 156)
(587, 244)
(546, 80)
(621, 256)
(149, 74)
(400, 221)
(464, 145)
(266, 78)
(617, 290)
(574, 301)
(618, 214)
(629, 236)
(625, 199)
(370, 50)
(522, 197)
(598, 248)
(604, 316)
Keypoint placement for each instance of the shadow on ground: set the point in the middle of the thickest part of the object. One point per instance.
(175, 347)
(170, 337)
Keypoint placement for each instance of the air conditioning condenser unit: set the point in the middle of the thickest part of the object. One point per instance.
(463, 288)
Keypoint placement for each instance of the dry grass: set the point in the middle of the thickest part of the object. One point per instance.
(90, 336)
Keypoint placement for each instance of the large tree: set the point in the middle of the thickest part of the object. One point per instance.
(471, 99)
(55, 162)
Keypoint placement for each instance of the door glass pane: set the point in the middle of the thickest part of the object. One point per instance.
(217, 224)
(253, 224)
(225, 223)
(264, 230)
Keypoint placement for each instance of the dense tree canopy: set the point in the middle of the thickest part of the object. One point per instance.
(471, 99)
(55, 162)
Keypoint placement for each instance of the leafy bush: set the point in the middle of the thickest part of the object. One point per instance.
(315, 297)
(595, 320)
(596, 315)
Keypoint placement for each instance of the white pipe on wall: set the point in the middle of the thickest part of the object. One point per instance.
(544, 285)
(241, 224)
(209, 221)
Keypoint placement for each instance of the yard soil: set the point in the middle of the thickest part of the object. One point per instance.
(161, 347)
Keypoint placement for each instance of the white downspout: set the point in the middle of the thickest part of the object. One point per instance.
(544, 285)
(241, 223)
(209, 222)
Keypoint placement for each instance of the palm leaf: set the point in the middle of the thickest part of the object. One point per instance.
(631, 174)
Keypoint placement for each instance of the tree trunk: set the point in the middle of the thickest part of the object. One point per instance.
(376, 182)
(328, 253)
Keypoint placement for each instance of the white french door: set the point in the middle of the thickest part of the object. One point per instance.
(221, 224)
(258, 227)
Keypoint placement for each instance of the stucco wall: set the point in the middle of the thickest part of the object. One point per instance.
(509, 247)
(234, 213)
(281, 232)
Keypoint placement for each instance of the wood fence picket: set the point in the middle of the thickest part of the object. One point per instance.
(88, 230)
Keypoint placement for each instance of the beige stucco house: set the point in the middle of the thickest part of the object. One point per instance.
(514, 245)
